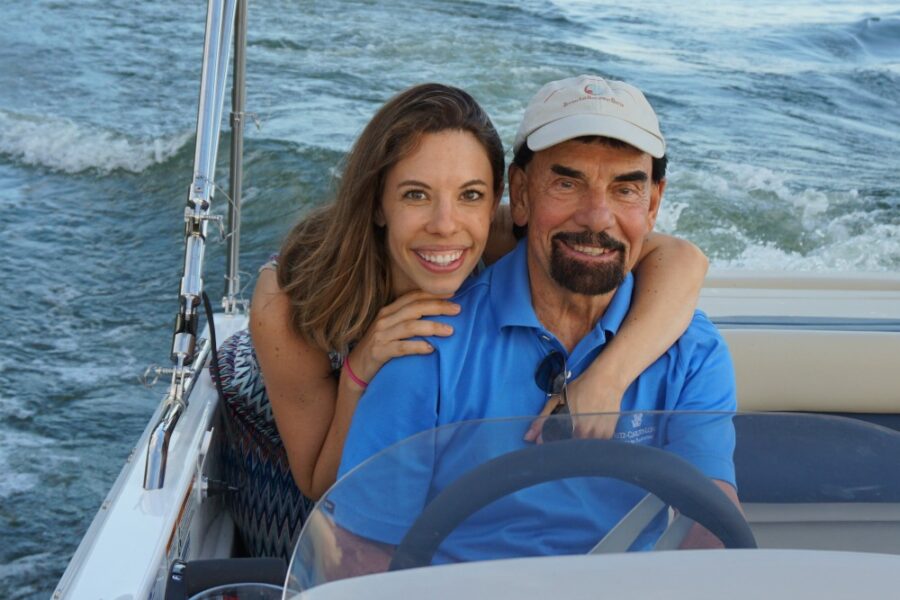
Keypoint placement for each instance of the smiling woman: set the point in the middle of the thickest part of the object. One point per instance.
(412, 212)
(436, 208)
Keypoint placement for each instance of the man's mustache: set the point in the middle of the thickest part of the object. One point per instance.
(590, 238)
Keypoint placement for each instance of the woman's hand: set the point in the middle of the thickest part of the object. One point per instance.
(587, 398)
(388, 336)
(587, 394)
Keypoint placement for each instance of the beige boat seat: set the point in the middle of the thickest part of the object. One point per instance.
(810, 341)
(819, 371)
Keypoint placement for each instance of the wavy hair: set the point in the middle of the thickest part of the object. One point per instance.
(334, 264)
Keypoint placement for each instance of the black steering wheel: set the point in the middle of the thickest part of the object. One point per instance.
(669, 477)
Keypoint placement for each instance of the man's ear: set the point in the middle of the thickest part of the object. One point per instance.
(518, 195)
(656, 194)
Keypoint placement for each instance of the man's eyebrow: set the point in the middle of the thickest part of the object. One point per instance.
(632, 176)
(567, 172)
(414, 183)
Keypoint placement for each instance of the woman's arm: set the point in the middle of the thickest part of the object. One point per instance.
(668, 278)
(298, 379)
(667, 282)
(313, 411)
(386, 338)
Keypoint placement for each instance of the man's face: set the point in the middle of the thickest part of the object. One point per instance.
(588, 207)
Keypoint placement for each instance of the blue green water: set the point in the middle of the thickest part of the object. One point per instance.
(782, 121)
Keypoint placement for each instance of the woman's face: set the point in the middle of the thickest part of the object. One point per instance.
(437, 206)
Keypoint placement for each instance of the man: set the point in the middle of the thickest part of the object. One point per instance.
(586, 182)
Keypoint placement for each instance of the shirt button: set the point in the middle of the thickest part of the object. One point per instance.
(546, 338)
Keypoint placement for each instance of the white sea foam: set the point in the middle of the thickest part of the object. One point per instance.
(878, 249)
(669, 213)
(63, 145)
(837, 240)
(26, 566)
(17, 480)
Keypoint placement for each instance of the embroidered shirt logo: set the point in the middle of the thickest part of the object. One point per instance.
(636, 431)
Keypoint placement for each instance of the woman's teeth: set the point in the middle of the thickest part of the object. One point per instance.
(589, 250)
(441, 259)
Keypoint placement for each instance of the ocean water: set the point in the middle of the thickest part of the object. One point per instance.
(783, 123)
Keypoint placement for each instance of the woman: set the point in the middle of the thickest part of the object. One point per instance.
(409, 223)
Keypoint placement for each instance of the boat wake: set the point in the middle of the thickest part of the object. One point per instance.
(750, 217)
(62, 145)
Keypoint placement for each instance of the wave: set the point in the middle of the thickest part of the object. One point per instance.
(879, 36)
(13, 443)
(63, 145)
(750, 217)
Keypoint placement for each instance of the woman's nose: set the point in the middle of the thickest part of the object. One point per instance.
(443, 218)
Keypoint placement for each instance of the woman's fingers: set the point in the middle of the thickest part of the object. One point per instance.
(389, 336)
(424, 307)
(534, 431)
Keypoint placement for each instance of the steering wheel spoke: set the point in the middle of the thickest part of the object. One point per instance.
(675, 533)
(622, 536)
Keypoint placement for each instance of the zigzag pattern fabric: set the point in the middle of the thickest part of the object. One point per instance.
(265, 503)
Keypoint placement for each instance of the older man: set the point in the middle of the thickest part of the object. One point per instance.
(586, 182)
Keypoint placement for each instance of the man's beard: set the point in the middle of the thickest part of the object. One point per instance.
(583, 277)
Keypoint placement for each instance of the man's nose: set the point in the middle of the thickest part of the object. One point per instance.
(595, 212)
(443, 219)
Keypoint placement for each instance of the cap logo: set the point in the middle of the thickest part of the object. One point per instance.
(593, 94)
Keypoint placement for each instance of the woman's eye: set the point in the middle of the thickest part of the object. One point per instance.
(414, 195)
(472, 195)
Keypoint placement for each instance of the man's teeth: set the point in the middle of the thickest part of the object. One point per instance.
(441, 258)
(589, 250)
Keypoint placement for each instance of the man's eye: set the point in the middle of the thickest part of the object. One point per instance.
(472, 195)
(629, 192)
(566, 184)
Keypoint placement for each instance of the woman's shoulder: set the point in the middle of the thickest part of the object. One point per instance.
(277, 343)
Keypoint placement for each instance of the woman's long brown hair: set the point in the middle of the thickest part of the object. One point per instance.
(334, 264)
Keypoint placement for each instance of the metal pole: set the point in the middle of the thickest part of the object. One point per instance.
(238, 99)
(220, 21)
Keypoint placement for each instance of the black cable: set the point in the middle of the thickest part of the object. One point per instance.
(214, 363)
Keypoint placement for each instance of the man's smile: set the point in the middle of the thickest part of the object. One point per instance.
(589, 244)
(589, 250)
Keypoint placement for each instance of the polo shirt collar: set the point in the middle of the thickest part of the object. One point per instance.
(511, 296)
(511, 292)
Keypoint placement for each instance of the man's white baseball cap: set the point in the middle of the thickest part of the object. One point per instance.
(587, 105)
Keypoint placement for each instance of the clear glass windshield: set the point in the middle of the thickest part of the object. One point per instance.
(477, 490)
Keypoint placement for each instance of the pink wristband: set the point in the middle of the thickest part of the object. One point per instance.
(352, 375)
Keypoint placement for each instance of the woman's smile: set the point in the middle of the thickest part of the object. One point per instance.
(436, 206)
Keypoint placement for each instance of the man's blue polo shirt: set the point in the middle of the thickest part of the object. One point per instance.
(486, 370)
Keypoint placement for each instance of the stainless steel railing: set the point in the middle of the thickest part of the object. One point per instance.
(187, 363)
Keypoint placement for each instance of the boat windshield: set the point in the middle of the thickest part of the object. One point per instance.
(476, 490)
